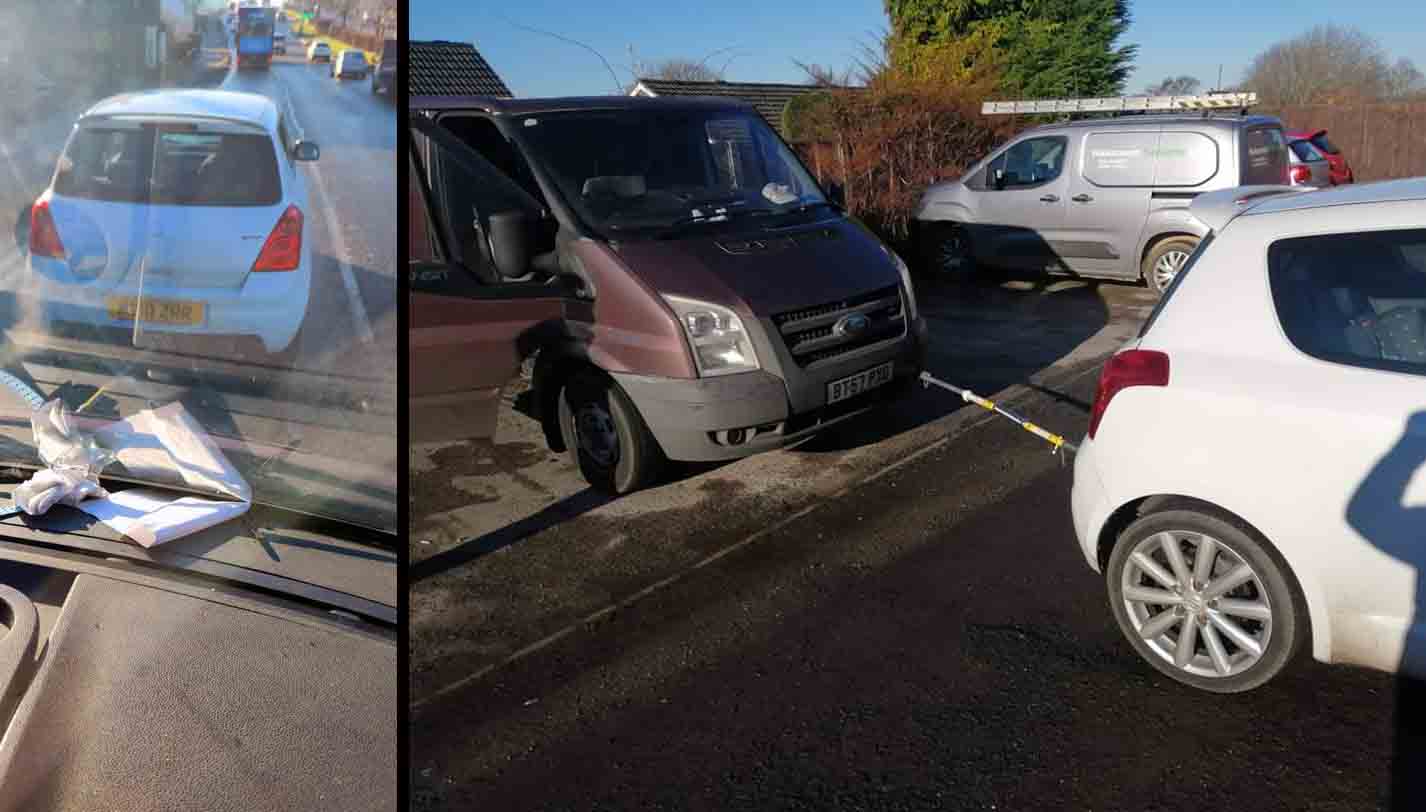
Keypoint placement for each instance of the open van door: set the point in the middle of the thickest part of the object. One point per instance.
(469, 328)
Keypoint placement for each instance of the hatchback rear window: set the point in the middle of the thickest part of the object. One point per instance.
(1356, 299)
(180, 166)
(1305, 151)
(1320, 141)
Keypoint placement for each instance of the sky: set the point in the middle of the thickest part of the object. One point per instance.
(759, 39)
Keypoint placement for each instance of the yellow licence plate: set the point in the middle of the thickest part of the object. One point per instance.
(154, 311)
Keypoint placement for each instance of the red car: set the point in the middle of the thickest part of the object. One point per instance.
(1341, 173)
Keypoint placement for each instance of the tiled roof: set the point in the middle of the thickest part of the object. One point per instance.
(451, 69)
(768, 99)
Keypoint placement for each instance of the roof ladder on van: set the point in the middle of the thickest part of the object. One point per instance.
(1118, 105)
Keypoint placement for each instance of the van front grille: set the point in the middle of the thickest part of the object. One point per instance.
(823, 332)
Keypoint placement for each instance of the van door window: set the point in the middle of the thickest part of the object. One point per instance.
(466, 191)
(422, 243)
(1186, 159)
(1029, 163)
(484, 137)
(1120, 158)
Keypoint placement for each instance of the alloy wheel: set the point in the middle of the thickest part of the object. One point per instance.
(1197, 604)
(1168, 267)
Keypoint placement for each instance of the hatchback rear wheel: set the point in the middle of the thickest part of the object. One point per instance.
(1204, 601)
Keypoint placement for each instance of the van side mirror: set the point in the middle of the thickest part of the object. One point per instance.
(999, 179)
(837, 195)
(509, 235)
(305, 151)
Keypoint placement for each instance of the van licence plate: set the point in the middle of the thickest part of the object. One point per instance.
(854, 385)
(154, 311)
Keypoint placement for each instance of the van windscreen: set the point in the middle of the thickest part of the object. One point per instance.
(633, 171)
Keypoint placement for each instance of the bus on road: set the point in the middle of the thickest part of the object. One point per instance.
(255, 27)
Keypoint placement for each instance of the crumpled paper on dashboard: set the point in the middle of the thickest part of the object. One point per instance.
(73, 461)
(167, 446)
(164, 446)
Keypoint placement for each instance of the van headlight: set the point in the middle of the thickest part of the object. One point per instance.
(905, 272)
(720, 344)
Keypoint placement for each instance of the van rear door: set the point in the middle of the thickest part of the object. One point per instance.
(1262, 156)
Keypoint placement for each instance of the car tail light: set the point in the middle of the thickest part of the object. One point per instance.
(44, 237)
(1128, 368)
(1300, 174)
(283, 249)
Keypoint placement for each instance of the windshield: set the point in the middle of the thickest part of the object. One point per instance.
(200, 224)
(630, 171)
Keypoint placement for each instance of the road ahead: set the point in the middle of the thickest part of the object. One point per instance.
(319, 429)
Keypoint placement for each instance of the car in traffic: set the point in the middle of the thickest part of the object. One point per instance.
(675, 280)
(279, 43)
(350, 63)
(386, 70)
(1100, 198)
(1259, 487)
(177, 211)
(1341, 171)
(1307, 166)
(319, 51)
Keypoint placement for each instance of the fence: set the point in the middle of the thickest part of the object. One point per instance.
(1381, 141)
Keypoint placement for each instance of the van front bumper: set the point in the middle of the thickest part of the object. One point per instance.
(734, 416)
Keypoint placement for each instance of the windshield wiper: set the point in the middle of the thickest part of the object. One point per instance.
(721, 216)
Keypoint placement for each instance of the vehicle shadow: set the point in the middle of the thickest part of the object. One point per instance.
(984, 336)
(469, 549)
(1378, 511)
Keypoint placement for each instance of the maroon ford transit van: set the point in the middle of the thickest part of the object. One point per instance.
(686, 289)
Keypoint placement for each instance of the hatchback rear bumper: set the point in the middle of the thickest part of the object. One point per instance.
(268, 306)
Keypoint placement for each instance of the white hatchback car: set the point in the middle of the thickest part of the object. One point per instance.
(319, 50)
(183, 210)
(1254, 476)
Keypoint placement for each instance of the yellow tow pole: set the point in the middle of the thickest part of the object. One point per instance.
(1059, 443)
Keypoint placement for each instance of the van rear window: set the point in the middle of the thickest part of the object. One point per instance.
(1264, 158)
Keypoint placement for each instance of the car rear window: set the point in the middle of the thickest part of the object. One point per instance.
(1264, 157)
(1320, 141)
(1305, 151)
(181, 166)
(1356, 299)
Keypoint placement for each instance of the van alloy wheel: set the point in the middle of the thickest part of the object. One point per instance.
(1168, 266)
(949, 253)
(1197, 604)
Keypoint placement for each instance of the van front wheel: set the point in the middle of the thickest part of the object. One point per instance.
(605, 435)
(947, 251)
(1165, 260)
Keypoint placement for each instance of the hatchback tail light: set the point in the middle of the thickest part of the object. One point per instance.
(1300, 174)
(283, 249)
(44, 237)
(1128, 368)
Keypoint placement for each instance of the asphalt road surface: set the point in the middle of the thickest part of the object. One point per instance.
(313, 431)
(927, 635)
